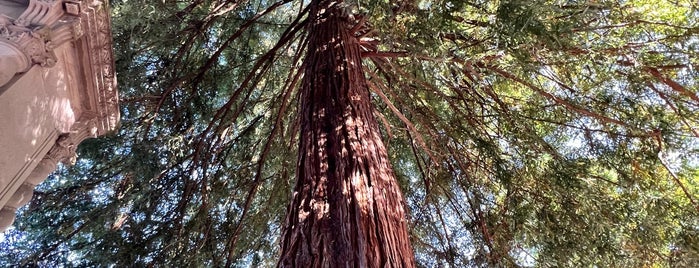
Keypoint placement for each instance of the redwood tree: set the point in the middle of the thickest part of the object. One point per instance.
(347, 208)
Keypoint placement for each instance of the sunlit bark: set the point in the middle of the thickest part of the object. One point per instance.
(347, 209)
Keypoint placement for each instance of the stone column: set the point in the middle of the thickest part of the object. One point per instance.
(30, 39)
(63, 151)
(12, 61)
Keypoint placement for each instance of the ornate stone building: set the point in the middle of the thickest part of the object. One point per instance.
(57, 88)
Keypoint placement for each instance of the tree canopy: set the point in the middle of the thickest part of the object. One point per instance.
(523, 133)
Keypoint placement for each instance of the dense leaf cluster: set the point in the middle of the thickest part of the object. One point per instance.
(524, 133)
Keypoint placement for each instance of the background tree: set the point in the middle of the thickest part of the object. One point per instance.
(522, 133)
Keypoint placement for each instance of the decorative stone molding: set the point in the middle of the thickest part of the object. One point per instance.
(32, 38)
(97, 28)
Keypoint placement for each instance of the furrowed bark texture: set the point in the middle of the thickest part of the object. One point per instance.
(347, 209)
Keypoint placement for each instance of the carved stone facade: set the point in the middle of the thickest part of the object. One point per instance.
(57, 88)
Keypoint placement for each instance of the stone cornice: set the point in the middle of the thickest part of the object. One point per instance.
(96, 25)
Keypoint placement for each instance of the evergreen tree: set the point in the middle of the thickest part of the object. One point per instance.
(521, 133)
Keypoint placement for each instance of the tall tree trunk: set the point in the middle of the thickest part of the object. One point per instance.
(347, 209)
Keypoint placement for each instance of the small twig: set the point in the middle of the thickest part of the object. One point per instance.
(402, 117)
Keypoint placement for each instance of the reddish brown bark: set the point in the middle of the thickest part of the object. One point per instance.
(347, 209)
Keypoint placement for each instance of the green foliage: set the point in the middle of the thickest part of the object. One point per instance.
(526, 133)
